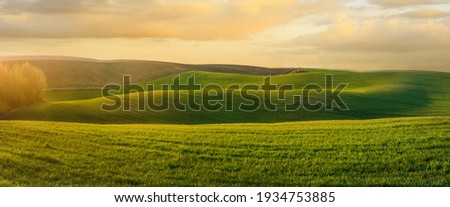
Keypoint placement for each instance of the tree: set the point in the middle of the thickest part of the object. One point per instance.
(299, 70)
(20, 85)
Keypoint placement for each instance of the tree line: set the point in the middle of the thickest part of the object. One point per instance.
(20, 85)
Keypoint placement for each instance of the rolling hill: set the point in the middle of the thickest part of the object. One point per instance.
(369, 95)
(68, 72)
(396, 132)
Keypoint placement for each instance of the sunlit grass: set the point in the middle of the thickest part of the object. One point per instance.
(385, 152)
(369, 95)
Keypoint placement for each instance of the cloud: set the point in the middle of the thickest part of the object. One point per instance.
(195, 19)
(48, 6)
(393, 42)
(394, 34)
(363, 36)
(427, 14)
(399, 3)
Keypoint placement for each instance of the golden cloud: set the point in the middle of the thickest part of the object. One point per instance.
(427, 13)
(198, 20)
(381, 43)
(398, 3)
(394, 34)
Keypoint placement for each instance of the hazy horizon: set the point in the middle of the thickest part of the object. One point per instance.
(343, 34)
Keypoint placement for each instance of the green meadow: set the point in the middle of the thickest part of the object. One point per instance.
(382, 152)
(369, 95)
(396, 133)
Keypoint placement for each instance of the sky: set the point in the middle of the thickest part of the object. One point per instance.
(333, 34)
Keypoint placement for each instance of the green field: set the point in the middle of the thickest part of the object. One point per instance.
(369, 95)
(396, 133)
(384, 152)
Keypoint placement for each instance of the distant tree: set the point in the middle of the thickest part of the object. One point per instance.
(21, 84)
(299, 70)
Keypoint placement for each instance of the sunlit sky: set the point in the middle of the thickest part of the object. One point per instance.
(358, 34)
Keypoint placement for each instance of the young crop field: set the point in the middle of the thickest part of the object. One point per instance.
(382, 152)
(369, 95)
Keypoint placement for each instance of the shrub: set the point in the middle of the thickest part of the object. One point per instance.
(21, 84)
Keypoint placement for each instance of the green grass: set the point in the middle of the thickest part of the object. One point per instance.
(369, 95)
(396, 133)
(383, 152)
(71, 95)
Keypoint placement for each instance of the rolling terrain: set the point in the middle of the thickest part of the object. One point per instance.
(369, 95)
(396, 133)
(67, 72)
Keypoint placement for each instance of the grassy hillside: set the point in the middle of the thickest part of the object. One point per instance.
(76, 73)
(369, 95)
(385, 152)
(396, 133)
